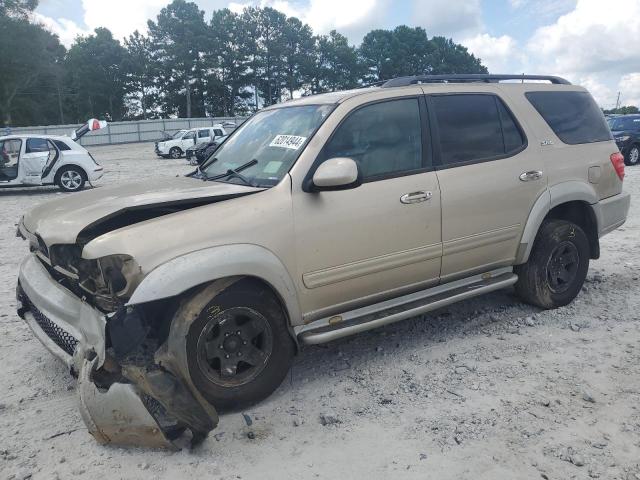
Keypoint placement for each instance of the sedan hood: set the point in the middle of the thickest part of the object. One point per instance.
(83, 216)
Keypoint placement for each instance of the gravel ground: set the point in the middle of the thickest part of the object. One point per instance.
(486, 389)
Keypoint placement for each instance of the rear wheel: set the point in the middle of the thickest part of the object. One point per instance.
(239, 348)
(71, 179)
(175, 152)
(557, 266)
(633, 155)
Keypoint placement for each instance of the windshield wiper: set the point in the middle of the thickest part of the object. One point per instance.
(235, 172)
(203, 174)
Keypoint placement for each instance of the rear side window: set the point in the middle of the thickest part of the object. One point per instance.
(473, 128)
(218, 133)
(35, 145)
(61, 145)
(385, 138)
(573, 116)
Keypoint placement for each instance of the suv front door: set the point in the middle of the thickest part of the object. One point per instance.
(204, 135)
(368, 243)
(489, 178)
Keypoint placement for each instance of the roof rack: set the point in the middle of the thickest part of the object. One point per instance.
(462, 78)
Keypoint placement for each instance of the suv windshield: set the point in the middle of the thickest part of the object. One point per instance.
(274, 138)
(624, 123)
(178, 134)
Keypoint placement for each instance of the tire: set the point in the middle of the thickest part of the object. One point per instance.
(225, 330)
(175, 152)
(71, 179)
(633, 156)
(557, 266)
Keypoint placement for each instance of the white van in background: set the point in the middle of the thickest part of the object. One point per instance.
(177, 145)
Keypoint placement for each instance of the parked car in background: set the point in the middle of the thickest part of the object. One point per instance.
(36, 160)
(181, 141)
(626, 133)
(199, 153)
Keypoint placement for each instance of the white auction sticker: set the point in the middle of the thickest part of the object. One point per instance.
(288, 141)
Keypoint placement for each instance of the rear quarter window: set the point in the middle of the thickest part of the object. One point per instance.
(61, 145)
(573, 116)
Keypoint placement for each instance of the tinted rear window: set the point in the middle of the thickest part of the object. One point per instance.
(573, 116)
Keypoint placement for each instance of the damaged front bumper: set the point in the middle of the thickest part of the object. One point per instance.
(126, 398)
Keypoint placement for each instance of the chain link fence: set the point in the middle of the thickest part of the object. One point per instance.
(133, 131)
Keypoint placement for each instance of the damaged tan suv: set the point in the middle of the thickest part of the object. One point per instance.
(318, 218)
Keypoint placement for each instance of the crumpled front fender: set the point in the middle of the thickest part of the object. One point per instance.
(118, 415)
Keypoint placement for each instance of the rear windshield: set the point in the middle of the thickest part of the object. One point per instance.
(573, 116)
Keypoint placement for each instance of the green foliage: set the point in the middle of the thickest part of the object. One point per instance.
(177, 38)
(95, 75)
(139, 71)
(626, 110)
(187, 66)
(31, 60)
(17, 8)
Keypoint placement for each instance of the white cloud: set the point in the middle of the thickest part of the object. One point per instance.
(122, 17)
(595, 36)
(629, 88)
(66, 30)
(321, 15)
(450, 18)
(498, 54)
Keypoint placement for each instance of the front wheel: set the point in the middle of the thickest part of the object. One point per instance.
(633, 156)
(71, 179)
(557, 266)
(175, 152)
(239, 348)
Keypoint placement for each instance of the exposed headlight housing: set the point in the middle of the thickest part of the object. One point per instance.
(109, 281)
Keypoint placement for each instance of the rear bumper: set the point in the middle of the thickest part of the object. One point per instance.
(66, 325)
(96, 174)
(612, 212)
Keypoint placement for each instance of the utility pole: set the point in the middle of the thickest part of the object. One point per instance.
(618, 102)
(60, 110)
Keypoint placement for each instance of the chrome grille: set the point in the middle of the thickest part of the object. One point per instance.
(60, 337)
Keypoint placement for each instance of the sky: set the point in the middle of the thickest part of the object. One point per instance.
(594, 43)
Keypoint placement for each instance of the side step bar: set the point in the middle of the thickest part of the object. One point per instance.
(406, 306)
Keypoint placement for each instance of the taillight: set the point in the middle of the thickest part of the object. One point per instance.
(617, 160)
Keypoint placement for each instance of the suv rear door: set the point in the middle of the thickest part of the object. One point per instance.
(489, 179)
(356, 245)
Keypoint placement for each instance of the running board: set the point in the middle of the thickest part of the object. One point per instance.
(406, 306)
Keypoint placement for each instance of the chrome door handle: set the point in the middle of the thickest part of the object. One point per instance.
(531, 175)
(416, 197)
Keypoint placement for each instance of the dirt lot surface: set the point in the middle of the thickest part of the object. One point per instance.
(487, 389)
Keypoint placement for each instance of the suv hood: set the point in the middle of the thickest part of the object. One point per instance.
(80, 217)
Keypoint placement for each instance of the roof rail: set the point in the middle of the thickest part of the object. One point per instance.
(463, 78)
